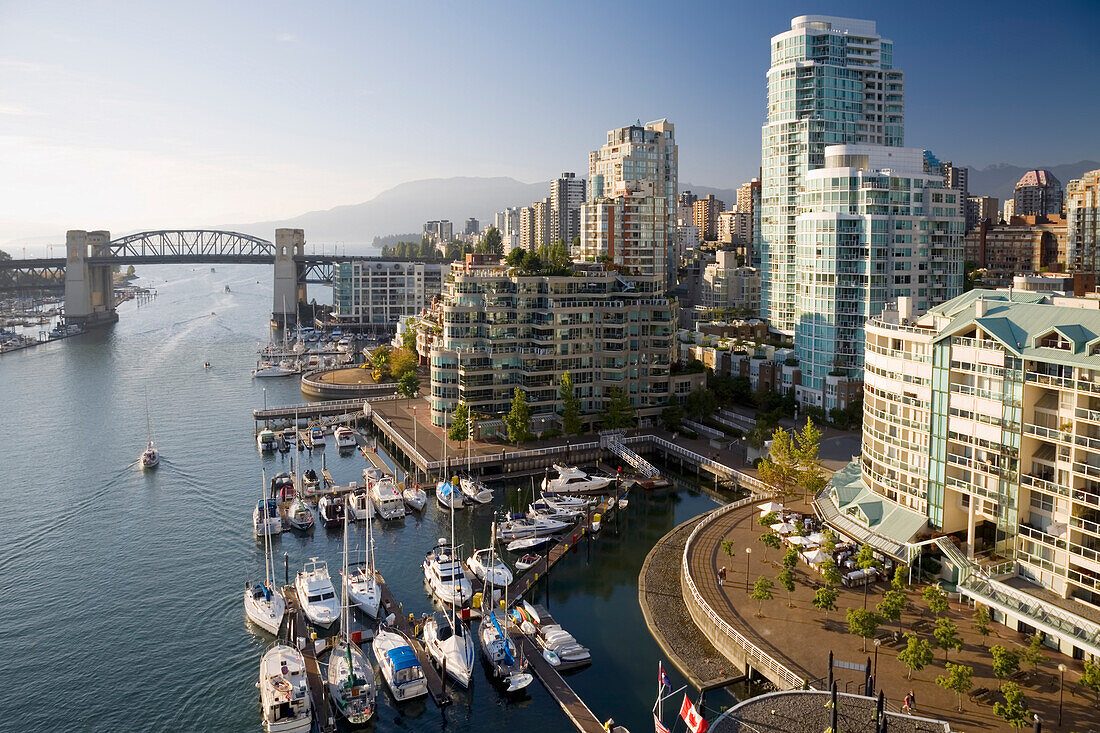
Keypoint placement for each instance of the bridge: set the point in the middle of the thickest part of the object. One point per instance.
(90, 258)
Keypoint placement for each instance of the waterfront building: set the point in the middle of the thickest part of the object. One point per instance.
(567, 194)
(981, 208)
(831, 81)
(874, 224)
(982, 423)
(1083, 223)
(1038, 193)
(371, 295)
(705, 213)
(725, 286)
(502, 330)
(1025, 246)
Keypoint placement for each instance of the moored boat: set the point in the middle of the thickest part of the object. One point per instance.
(359, 506)
(331, 509)
(316, 594)
(572, 480)
(414, 497)
(266, 518)
(387, 499)
(345, 437)
(399, 664)
(284, 696)
(524, 527)
(300, 515)
(447, 496)
(489, 569)
(475, 490)
(446, 579)
(449, 638)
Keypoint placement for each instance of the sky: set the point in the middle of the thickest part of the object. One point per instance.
(127, 115)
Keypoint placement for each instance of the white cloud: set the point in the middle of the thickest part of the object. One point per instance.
(286, 38)
(14, 110)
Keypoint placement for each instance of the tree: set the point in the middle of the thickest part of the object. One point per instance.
(518, 419)
(828, 542)
(810, 473)
(891, 606)
(130, 271)
(492, 243)
(831, 573)
(786, 579)
(898, 583)
(671, 417)
(936, 599)
(380, 359)
(401, 362)
(409, 386)
(770, 540)
(761, 591)
(408, 336)
(981, 622)
(959, 679)
(862, 622)
(1005, 662)
(780, 467)
(947, 636)
(825, 600)
(916, 654)
(515, 257)
(866, 558)
(767, 520)
(1014, 710)
(570, 405)
(460, 423)
(1090, 679)
(1032, 654)
(700, 403)
(790, 558)
(4, 255)
(727, 547)
(619, 413)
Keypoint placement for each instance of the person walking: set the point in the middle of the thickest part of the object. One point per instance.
(722, 575)
(908, 704)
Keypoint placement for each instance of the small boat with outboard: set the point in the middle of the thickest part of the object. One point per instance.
(521, 526)
(300, 515)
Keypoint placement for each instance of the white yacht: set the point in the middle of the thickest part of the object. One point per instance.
(317, 437)
(529, 527)
(542, 509)
(269, 369)
(399, 665)
(316, 594)
(415, 497)
(300, 515)
(447, 496)
(363, 589)
(576, 503)
(265, 440)
(284, 696)
(448, 638)
(360, 506)
(572, 480)
(150, 457)
(387, 499)
(345, 437)
(266, 519)
(445, 576)
(489, 569)
(475, 490)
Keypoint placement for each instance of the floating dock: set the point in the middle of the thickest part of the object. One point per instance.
(298, 628)
(579, 713)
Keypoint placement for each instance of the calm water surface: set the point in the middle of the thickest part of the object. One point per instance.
(120, 591)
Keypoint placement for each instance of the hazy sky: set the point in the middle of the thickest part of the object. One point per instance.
(124, 115)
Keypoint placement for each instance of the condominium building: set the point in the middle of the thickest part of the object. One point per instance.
(507, 221)
(1083, 223)
(981, 208)
(440, 231)
(503, 330)
(472, 226)
(726, 286)
(629, 231)
(704, 216)
(831, 81)
(566, 198)
(956, 177)
(371, 295)
(748, 204)
(981, 443)
(1025, 246)
(1038, 193)
(534, 225)
(874, 224)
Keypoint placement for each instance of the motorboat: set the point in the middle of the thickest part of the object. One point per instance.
(343, 346)
(264, 606)
(316, 594)
(282, 486)
(572, 480)
(447, 496)
(524, 527)
(528, 544)
(542, 509)
(284, 695)
(268, 369)
(300, 515)
(317, 437)
(281, 444)
(150, 457)
(364, 589)
(415, 498)
(499, 652)
(387, 499)
(331, 509)
(552, 637)
(359, 506)
(265, 440)
(450, 639)
(345, 437)
(475, 490)
(310, 480)
(266, 519)
(489, 569)
(290, 435)
(337, 333)
(399, 664)
(371, 475)
(561, 502)
(445, 576)
(226, 289)
(350, 676)
(527, 561)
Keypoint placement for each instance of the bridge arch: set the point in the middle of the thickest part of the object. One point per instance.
(191, 243)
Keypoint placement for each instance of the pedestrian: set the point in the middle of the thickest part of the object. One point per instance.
(722, 575)
(907, 705)
(912, 700)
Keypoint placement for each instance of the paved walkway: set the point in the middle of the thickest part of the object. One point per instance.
(801, 636)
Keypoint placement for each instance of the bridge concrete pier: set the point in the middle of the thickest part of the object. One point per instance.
(288, 291)
(89, 289)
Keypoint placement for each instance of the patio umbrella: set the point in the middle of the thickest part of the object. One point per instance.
(783, 527)
(815, 557)
(770, 506)
(817, 538)
(796, 540)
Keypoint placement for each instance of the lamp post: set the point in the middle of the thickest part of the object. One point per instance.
(1061, 682)
(748, 557)
(878, 643)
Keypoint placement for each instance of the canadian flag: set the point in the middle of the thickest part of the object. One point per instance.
(691, 716)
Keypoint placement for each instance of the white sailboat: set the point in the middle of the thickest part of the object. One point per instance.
(350, 675)
(399, 664)
(472, 487)
(361, 582)
(264, 605)
(487, 566)
(447, 493)
(150, 457)
(284, 696)
(445, 576)
(415, 497)
(497, 647)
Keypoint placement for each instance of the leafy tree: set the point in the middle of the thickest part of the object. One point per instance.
(619, 413)
(515, 257)
(380, 359)
(866, 558)
(409, 386)
(401, 362)
(518, 419)
(981, 622)
(1014, 710)
(770, 540)
(891, 606)
(767, 520)
(898, 583)
(700, 403)
(947, 636)
(492, 243)
(790, 559)
(727, 547)
(571, 405)
(761, 591)
(1005, 662)
(780, 467)
(1032, 654)
(862, 622)
(825, 600)
(130, 271)
(786, 579)
(671, 417)
(1090, 679)
(408, 337)
(828, 542)
(916, 654)
(959, 679)
(4, 255)
(531, 262)
(831, 573)
(936, 599)
(460, 423)
(810, 473)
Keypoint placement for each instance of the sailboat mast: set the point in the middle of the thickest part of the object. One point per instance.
(267, 534)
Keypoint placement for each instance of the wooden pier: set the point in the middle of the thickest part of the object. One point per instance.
(298, 628)
(436, 687)
(579, 713)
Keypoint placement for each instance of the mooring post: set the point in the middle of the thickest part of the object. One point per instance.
(286, 568)
(833, 712)
(829, 683)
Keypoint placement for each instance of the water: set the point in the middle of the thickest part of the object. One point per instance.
(121, 594)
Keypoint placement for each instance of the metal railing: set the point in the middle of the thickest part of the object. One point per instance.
(757, 657)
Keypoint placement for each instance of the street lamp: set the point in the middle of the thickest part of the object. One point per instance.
(878, 643)
(748, 557)
(1061, 681)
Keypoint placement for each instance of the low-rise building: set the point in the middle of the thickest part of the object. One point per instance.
(1025, 246)
(371, 295)
(725, 286)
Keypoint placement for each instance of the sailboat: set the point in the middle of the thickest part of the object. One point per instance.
(497, 647)
(447, 493)
(361, 584)
(150, 457)
(263, 604)
(350, 675)
(470, 486)
(448, 639)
